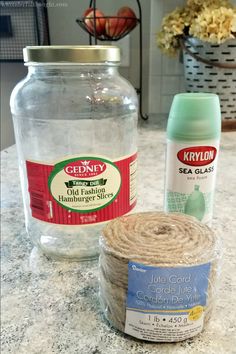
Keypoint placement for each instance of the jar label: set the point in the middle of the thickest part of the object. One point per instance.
(82, 190)
(166, 304)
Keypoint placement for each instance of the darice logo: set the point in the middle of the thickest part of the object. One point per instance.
(138, 269)
(197, 155)
(85, 168)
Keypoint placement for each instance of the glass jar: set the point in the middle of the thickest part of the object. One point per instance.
(75, 122)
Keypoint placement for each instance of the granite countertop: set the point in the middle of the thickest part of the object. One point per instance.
(53, 307)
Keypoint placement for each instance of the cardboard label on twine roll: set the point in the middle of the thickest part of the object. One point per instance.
(166, 304)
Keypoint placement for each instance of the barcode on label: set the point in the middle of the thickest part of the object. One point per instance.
(133, 181)
(37, 203)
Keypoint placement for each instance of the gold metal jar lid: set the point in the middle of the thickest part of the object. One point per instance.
(72, 54)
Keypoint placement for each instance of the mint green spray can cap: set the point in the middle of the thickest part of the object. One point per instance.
(194, 116)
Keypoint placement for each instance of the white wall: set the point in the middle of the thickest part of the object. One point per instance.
(166, 74)
(65, 30)
(11, 73)
(163, 76)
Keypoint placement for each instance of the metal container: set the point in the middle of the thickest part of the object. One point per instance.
(212, 68)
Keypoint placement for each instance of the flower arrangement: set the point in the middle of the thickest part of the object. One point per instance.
(213, 21)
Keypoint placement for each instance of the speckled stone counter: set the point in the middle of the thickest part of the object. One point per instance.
(53, 307)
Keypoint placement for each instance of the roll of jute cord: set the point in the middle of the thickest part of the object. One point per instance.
(154, 239)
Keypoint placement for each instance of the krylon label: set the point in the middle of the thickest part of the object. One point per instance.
(190, 178)
(82, 190)
(197, 155)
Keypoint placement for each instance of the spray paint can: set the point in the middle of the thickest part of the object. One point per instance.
(193, 137)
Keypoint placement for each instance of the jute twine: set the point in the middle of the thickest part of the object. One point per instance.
(155, 239)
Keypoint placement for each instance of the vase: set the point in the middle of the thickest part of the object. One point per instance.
(212, 68)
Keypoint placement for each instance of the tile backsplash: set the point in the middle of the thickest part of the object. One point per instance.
(166, 74)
